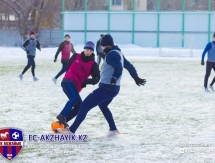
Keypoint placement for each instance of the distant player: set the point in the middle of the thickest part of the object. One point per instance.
(109, 86)
(210, 49)
(80, 67)
(99, 51)
(30, 46)
(65, 48)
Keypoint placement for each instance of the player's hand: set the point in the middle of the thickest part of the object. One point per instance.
(140, 81)
(113, 81)
(27, 51)
(202, 62)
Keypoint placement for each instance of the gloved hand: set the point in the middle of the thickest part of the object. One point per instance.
(55, 60)
(84, 84)
(202, 62)
(27, 51)
(140, 81)
(113, 81)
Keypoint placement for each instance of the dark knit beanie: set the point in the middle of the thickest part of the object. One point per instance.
(67, 36)
(89, 45)
(107, 40)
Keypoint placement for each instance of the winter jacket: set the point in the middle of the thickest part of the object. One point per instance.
(80, 67)
(65, 47)
(30, 46)
(210, 48)
(114, 64)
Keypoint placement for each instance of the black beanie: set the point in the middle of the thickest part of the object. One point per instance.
(107, 40)
(214, 35)
(67, 36)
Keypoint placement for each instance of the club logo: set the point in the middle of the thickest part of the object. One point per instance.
(11, 142)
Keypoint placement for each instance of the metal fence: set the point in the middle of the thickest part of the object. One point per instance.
(177, 18)
(46, 37)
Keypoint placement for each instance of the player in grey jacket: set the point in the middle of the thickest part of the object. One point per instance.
(30, 46)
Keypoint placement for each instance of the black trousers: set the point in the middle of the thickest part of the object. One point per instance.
(209, 66)
(64, 67)
(31, 63)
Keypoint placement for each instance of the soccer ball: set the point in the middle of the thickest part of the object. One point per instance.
(15, 135)
(56, 125)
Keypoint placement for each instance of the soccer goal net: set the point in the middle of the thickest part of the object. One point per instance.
(176, 46)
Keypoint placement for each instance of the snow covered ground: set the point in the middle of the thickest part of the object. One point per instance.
(155, 121)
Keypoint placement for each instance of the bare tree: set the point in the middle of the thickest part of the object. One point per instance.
(74, 5)
(176, 5)
(196, 5)
(31, 14)
(97, 5)
(152, 5)
(128, 4)
(171, 5)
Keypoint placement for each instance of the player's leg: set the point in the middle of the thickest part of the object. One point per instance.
(208, 72)
(74, 97)
(107, 114)
(63, 69)
(25, 69)
(95, 98)
(33, 66)
(74, 111)
(213, 81)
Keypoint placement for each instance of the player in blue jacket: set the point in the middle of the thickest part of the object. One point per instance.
(210, 49)
(109, 86)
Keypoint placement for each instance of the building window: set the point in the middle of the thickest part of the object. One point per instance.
(116, 2)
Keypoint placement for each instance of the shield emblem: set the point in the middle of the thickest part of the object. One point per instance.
(11, 142)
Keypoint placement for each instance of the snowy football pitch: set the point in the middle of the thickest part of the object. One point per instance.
(155, 121)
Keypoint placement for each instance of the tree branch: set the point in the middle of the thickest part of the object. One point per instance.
(11, 6)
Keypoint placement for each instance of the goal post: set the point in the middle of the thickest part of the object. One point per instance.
(176, 46)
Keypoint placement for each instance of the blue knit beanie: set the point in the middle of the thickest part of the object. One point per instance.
(89, 45)
(107, 40)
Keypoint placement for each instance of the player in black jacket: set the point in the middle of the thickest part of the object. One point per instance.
(99, 51)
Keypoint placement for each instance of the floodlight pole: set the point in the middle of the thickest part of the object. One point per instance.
(109, 3)
(62, 26)
(209, 20)
(133, 20)
(183, 9)
(85, 22)
(158, 23)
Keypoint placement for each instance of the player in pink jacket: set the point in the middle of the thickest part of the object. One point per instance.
(65, 48)
(80, 67)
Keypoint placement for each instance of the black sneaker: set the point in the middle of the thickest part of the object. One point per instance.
(62, 120)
